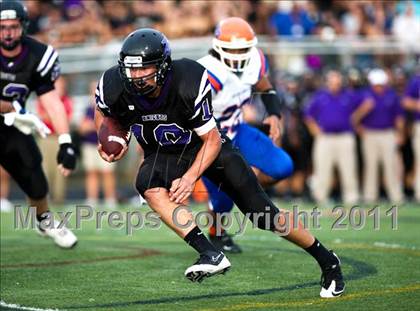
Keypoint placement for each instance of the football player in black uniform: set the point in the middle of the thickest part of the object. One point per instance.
(28, 65)
(167, 104)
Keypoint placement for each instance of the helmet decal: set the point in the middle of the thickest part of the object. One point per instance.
(8, 14)
(133, 61)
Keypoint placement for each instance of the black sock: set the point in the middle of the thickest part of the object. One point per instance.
(199, 241)
(323, 256)
(42, 216)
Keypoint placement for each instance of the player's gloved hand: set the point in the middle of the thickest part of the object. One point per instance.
(25, 122)
(66, 157)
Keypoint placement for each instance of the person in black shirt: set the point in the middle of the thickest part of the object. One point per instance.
(28, 65)
(167, 104)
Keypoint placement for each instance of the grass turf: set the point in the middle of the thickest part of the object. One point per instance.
(109, 270)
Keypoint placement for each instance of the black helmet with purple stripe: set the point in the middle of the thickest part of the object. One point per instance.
(142, 48)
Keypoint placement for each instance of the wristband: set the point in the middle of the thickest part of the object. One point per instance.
(271, 102)
(64, 139)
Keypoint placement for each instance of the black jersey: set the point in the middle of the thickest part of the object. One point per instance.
(170, 123)
(34, 69)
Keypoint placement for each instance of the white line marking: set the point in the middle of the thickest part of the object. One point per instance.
(384, 245)
(389, 245)
(18, 307)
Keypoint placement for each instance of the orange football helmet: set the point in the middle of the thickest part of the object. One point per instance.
(233, 40)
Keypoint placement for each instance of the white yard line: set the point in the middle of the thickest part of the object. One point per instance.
(384, 245)
(19, 307)
(389, 245)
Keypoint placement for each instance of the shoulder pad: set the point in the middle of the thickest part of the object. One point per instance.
(109, 89)
(45, 55)
(217, 72)
(256, 68)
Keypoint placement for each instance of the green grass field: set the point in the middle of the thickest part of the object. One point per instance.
(111, 271)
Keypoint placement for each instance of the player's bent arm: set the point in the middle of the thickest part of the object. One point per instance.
(263, 84)
(268, 96)
(182, 188)
(6, 106)
(55, 109)
(212, 143)
(272, 105)
(66, 157)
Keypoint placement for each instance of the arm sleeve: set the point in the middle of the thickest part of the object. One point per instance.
(201, 116)
(271, 102)
(100, 98)
(47, 72)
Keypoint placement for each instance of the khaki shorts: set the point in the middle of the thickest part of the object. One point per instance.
(92, 161)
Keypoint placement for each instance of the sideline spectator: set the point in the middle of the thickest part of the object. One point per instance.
(328, 119)
(379, 121)
(97, 169)
(411, 102)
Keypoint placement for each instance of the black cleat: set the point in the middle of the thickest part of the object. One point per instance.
(225, 243)
(209, 264)
(332, 282)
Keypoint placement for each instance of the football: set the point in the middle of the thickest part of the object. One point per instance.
(113, 136)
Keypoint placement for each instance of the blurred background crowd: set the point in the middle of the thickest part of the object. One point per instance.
(317, 50)
(69, 22)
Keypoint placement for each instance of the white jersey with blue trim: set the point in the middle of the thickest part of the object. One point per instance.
(231, 91)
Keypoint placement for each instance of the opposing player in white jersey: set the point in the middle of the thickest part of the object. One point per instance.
(237, 71)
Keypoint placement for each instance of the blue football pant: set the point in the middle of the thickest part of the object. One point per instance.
(260, 152)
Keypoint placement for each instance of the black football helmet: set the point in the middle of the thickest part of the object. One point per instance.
(12, 9)
(141, 48)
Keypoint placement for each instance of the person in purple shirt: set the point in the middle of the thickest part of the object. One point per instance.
(411, 102)
(380, 123)
(327, 116)
(96, 168)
